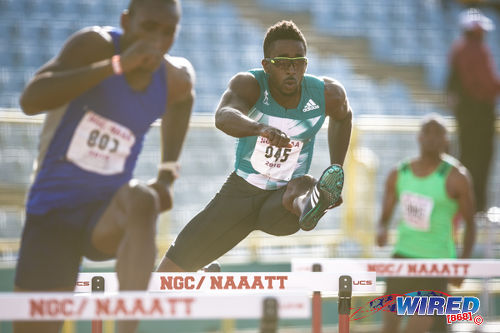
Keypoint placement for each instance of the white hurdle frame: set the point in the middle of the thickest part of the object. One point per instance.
(452, 268)
(221, 282)
(148, 305)
(185, 296)
(315, 283)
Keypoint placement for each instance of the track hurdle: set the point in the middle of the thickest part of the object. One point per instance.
(444, 268)
(316, 284)
(136, 305)
(466, 268)
(325, 282)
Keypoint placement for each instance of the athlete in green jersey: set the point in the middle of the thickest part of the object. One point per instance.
(275, 113)
(431, 190)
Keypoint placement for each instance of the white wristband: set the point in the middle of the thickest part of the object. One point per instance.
(116, 65)
(171, 166)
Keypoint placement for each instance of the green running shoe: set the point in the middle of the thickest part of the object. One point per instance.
(325, 194)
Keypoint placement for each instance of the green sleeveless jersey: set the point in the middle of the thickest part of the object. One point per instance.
(269, 167)
(426, 229)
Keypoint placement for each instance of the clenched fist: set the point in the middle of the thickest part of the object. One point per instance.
(275, 136)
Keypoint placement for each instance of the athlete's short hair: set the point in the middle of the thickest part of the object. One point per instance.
(282, 30)
(135, 3)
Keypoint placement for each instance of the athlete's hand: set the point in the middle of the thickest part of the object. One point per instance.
(165, 193)
(141, 54)
(275, 136)
(382, 235)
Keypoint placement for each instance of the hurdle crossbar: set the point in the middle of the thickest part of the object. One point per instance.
(471, 268)
(149, 305)
(223, 282)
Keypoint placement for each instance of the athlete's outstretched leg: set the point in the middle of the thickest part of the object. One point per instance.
(127, 229)
(167, 265)
(221, 225)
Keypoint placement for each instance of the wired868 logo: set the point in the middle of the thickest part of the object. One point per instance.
(456, 308)
(422, 303)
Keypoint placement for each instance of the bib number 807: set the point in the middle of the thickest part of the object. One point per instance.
(102, 141)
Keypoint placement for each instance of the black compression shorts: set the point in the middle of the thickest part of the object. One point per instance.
(238, 209)
(53, 245)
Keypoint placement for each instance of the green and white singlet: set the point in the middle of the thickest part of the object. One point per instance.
(426, 229)
(269, 167)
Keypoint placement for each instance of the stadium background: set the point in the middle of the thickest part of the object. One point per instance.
(390, 55)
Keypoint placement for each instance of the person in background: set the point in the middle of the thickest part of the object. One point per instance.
(431, 190)
(473, 86)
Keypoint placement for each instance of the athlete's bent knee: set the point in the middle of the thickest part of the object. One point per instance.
(142, 200)
(295, 188)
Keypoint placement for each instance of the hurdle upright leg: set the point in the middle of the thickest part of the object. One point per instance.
(96, 326)
(345, 294)
(317, 321)
(269, 321)
(97, 285)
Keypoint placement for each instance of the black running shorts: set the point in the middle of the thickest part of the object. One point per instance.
(52, 246)
(238, 209)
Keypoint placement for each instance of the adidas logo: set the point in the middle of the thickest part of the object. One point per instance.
(310, 106)
(315, 196)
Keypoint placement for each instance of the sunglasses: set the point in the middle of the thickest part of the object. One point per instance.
(286, 62)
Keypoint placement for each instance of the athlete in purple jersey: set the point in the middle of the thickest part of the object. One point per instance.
(101, 94)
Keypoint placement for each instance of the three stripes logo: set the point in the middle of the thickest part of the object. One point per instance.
(310, 106)
(315, 196)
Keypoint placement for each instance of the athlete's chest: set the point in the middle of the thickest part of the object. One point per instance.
(114, 100)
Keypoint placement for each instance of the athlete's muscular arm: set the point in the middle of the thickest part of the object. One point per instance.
(174, 124)
(340, 123)
(84, 61)
(388, 204)
(459, 187)
(231, 114)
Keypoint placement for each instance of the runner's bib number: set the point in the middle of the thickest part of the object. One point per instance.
(275, 162)
(100, 145)
(417, 210)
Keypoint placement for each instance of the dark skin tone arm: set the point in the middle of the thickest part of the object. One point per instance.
(459, 187)
(389, 202)
(76, 69)
(231, 115)
(340, 124)
(174, 126)
(84, 61)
